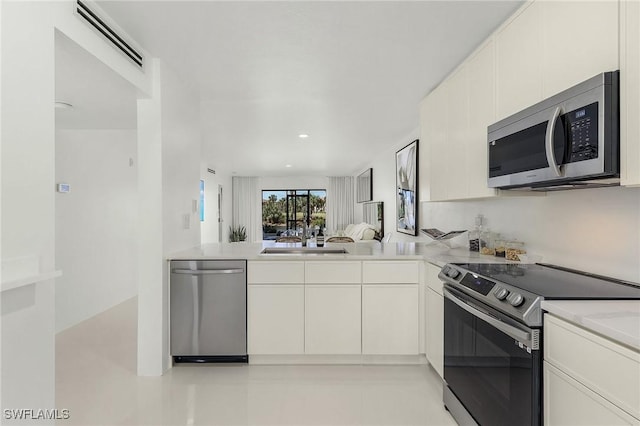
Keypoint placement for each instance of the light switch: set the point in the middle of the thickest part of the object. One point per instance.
(186, 221)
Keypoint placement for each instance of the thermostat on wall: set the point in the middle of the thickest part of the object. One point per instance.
(64, 187)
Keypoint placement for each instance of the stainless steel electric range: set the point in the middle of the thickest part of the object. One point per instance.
(493, 335)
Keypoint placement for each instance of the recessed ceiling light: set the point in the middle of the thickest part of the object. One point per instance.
(303, 136)
(288, 166)
(63, 105)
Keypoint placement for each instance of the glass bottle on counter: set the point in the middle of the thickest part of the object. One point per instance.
(474, 234)
(320, 238)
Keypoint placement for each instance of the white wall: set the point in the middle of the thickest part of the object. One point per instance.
(384, 187)
(96, 223)
(28, 209)
(169, 150)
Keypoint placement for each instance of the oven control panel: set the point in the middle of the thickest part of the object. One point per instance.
(504, 297)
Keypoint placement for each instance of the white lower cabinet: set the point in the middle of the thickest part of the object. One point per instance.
(332, 319)
(390, 319)
(569, 402)
(588, 379)
(435, 330)
(275, 319)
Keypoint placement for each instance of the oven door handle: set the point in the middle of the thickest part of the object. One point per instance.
(518, 334)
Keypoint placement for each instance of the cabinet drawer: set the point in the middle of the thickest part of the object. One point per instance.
(606, 367)
(434, 283)
(333, 272)
(568, 402)
(390, 272)
(275, 272)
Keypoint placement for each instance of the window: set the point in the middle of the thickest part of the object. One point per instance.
(284, 211)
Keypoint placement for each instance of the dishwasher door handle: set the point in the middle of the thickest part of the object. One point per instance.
(207, 271)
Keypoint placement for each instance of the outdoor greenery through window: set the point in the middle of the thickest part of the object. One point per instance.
(284, 211)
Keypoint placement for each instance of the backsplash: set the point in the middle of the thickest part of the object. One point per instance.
(595, 230)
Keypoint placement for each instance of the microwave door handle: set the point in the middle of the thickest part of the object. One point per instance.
(520, 335)
(551, 157)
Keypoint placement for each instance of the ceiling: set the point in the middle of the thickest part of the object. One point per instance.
(348, 74)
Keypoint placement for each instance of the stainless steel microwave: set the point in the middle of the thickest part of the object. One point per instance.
(568, 141)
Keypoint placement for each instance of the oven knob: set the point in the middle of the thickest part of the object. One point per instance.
(453, 273)
(445, 269)
(516, 299)
(501, 293)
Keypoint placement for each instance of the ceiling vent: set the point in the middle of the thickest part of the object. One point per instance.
(118, 42)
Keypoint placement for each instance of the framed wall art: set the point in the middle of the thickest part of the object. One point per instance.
(364, 186)
(407, 189)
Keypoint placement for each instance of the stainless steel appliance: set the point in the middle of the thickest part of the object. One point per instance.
(493, 335)
(208, 310)
(568, 141)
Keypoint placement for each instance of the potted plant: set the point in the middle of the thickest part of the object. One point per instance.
(237, 233)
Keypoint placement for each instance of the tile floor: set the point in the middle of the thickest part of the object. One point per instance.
(96, 381)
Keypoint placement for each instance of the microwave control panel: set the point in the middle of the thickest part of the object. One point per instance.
(582, 133)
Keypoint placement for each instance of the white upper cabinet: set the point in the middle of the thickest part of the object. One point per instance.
(482, 113)
(579, 40)
(454, 120)
(518, 61)
(550, 46)
(433, 147)
(630, 93)
(456, 131)
(544, 48)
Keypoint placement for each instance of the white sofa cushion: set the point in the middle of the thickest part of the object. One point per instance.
(360, 231)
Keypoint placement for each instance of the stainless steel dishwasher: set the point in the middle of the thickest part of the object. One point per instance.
(208, 310)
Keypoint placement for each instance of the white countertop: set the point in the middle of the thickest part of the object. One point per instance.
(432, 252)
(618, 320)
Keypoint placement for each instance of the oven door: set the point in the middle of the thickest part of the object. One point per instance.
(492, 364)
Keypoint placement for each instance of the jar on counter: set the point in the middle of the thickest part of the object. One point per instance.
(500, 247)
(487, 242)
(474, 234)
(514, 249)
(474, 240)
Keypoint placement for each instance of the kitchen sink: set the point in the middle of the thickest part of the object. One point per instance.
(303, 250)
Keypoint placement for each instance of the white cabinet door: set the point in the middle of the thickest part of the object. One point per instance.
(518, 62)
(440, 170)
(433, 282)
(579, 40)
(629, 93)
(333, 319)
(435, 331)
(568, 402)
(482, 113)
(427, 135)
(275, 319)
(390, 319)
(456, 130)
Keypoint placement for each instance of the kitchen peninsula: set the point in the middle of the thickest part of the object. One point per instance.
(365, 305)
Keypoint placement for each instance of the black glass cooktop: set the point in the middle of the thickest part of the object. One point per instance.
(553, 282)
